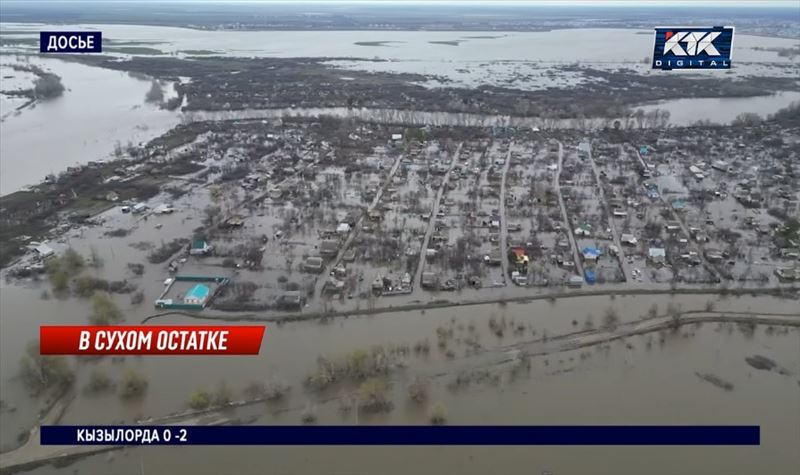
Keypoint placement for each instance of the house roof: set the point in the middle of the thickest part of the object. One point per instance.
(626, 237)
(44, 250)
(591, 252)
(678, 204)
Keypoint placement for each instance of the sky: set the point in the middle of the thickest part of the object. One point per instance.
(666, 3)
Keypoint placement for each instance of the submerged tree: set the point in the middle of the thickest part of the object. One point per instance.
(134, 385)
(99, 382)
(200, 400)
(104, 310)
(156, 92)
(47, 86)
(39, 372)
(610, 319)
(438, 415)
(418, 390)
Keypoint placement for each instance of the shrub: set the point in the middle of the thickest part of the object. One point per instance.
(136, 268)
(137, 298)
(418, 390)
(610, 319)
(223, 395)
(200, 400)
(309, 415)
(104, 310)
(99, 381)
(438, 415)
(134, 385)
(39, 372)
(373, 396)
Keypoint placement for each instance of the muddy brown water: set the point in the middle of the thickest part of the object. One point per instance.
(84, 124)
(613, 385)
(618, 385)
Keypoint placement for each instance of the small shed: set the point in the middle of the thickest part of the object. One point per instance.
(44, 251)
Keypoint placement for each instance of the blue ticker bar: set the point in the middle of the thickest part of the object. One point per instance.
(401, 435)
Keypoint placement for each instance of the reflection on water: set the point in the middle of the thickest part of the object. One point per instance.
(683, 112)
(587, 45)
(638, 381)
(99, 109)
(722, 110)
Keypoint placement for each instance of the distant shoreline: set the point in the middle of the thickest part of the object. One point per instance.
(458, 29)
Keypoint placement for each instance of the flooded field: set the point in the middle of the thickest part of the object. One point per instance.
(87, 123)
(651, 379)
(92, 105)
(550, 46)
(721, 111)
(519, 60)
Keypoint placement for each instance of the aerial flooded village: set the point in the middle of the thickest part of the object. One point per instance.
(475, 215)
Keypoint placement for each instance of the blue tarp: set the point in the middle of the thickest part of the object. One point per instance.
(590, 276)
(591, 251)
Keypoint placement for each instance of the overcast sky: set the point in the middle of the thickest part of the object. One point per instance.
(665, 3)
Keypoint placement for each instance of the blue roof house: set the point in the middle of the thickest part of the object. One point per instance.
(678, 205)
(591, 253)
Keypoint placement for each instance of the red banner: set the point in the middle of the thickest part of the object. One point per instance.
(150, 340)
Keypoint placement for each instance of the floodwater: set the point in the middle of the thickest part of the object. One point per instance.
(626, 383)
(99, 109)
(523, 60)
(722, 110)
(559, 46)
(103, 108)
(621, 384)
(683, 113)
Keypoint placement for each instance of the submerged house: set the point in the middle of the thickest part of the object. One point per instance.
(44, 251)
(314, 264)
(329, 247)
(591, 253)
(628, 239)
(290, 300)
(788, 274)
(519, 257)
(200, 247)
(657, 255)
(430, 280)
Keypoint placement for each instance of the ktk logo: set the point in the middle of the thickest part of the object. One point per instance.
(696, 43)
(693, 48)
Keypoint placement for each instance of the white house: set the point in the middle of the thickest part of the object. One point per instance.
(657, 255)
(44, 251)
